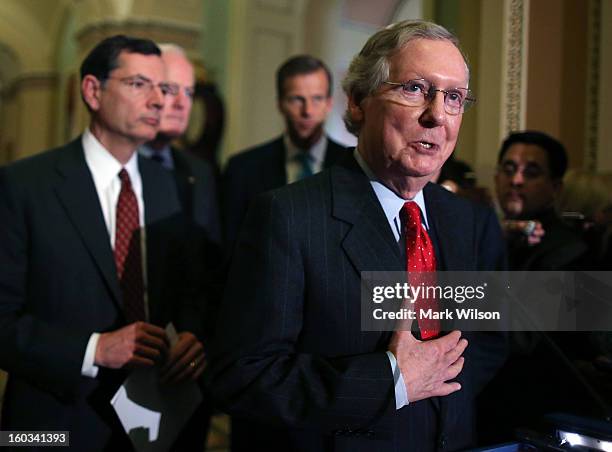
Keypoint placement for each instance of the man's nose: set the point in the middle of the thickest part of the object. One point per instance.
(179, 101)
(157, 98)
(434, 114)
(307, 107)
(517, 178)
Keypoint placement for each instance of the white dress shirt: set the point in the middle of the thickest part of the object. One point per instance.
(392, 204)
(104, 169)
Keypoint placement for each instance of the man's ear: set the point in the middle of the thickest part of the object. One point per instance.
(90, 90)
(355, 109)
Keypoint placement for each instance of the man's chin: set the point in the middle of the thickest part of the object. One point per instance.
(514, 209)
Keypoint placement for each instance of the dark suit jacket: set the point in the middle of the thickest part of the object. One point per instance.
(59, 284)
(561, 248)
(197, 191)
(291, 351)
(256, 171)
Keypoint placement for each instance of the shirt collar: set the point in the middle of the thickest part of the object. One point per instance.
(316, 152)
(390, 202)
(103, 165)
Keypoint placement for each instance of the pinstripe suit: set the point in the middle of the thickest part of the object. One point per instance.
(290, 349)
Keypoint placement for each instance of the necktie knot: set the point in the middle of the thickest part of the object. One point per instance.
(305, 161)
(410, 215)
(125, 178)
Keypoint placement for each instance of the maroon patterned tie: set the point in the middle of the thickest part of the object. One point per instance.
(421, 265)
(128, 256)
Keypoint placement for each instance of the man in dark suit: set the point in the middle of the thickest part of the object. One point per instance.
(93, 247)
(528, 181)
(304, 96)
(194, 177)
(291, 356)
(196, 187)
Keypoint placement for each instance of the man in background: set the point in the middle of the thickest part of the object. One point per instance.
(195, 178)
(195, 183)
(528, 181)
(97, 259)
(304, 98)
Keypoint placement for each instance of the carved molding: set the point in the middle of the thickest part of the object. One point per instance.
(187, 36)
(46, 80)
(515, 57)
(592, 108)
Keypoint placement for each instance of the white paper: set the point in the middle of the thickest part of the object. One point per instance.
(152, 413)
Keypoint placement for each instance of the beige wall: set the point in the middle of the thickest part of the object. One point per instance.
(468, 30)
(262, 35)
(604, 116)
(557, 71)
(35, 98)
(489, 80)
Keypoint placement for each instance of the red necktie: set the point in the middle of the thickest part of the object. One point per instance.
(128, 257)
(420, 258)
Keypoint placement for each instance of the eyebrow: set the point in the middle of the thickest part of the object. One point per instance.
(142, 77)
(429, 79)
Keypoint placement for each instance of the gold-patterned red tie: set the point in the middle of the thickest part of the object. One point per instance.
(128, 256)
(420, 266)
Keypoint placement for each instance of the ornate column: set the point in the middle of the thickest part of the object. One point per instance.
(514, 65)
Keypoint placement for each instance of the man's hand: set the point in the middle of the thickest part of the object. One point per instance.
(139, 344)
(428, 366)
(186, 360)
(532, 230)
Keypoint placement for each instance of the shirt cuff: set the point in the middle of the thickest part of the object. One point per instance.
(401, 395)
(88, 369)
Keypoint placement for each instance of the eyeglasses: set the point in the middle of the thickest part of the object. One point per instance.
(174, 89)
(418, 92)
(141, 86)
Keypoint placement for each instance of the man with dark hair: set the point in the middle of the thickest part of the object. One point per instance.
(529, 178)
(291, 354)
(95, 263)
(304, 90)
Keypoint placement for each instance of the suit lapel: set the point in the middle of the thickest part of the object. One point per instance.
(79, 197)
(454, 240)
(369, 244)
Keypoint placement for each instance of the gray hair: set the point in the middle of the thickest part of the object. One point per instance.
(370, 68)
(172, 48)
